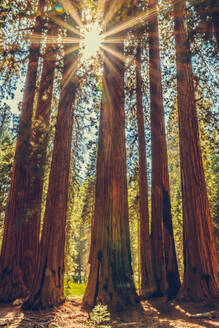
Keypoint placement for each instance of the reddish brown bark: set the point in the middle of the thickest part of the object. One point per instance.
(48, 285)
(39, 140)
(110, 280)
(11, 280)
(148, 286)
(164, 255)
(200, 262)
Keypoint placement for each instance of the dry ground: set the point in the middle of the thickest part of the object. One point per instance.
(152, 314)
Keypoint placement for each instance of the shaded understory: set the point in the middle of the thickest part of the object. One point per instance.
(154, 314)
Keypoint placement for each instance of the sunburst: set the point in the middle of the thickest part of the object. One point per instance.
(91, 40)
(88, 38)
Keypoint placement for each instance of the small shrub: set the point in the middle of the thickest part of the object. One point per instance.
(99, 317)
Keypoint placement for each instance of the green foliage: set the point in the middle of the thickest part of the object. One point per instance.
(79, 216)
(99, 317)
(72, 289)
(6, 159)
(133, 201)
(208, 127)
(7, 149)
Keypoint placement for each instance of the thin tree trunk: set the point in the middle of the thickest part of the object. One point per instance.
(37, 160)
(164, 255)
(11, 280)
(200, 261)
(148, 286)
(47, 289)
(139, 256)
(214, 13)
(111, 279)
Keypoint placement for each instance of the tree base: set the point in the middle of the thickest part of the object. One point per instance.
(116, 298)
(12, 286)
(147, 293)
(38, 303)
(198, 294)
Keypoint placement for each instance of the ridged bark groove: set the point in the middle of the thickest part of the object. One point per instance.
(39, 141)
(201, 269)
(14, 244)
(163, 246)
(110, 280)
(48, 285)
(148, 286)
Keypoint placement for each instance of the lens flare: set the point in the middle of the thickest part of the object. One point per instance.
(59, 9)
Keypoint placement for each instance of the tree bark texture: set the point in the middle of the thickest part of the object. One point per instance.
(47, 289)
(39, 141)
(200, 262)
(148, 286)
(163, 247)
(110, 279)
(14, 243)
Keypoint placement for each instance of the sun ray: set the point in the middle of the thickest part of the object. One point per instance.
(69, 74)
(112, 68)
(71, 10)
(34, 38)
(70, 40)
(125, 26)
(113, 40)
(61, 23)
(116, 5)
(115, 53)
(107, 97)
(100, 7)
(139, 19)
(72, 50)
(37, 38)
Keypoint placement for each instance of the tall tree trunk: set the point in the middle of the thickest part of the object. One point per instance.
(148, 286)
(47, 289)
(200, 261)
(11, 280)
(110, 279)
(214, 12)
(34, 187)
(164, 255)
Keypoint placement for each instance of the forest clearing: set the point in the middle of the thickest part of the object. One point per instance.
(109, 171)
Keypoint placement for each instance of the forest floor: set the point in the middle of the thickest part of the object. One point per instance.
(151, 314)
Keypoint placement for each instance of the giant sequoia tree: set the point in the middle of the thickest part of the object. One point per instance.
(18, 232)
(148, 286)
(36, 161)
(164, 255)
(110, 280)
(48, 285)
(200, 261)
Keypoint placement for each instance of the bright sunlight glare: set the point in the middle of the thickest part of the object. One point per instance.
(91, 41)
